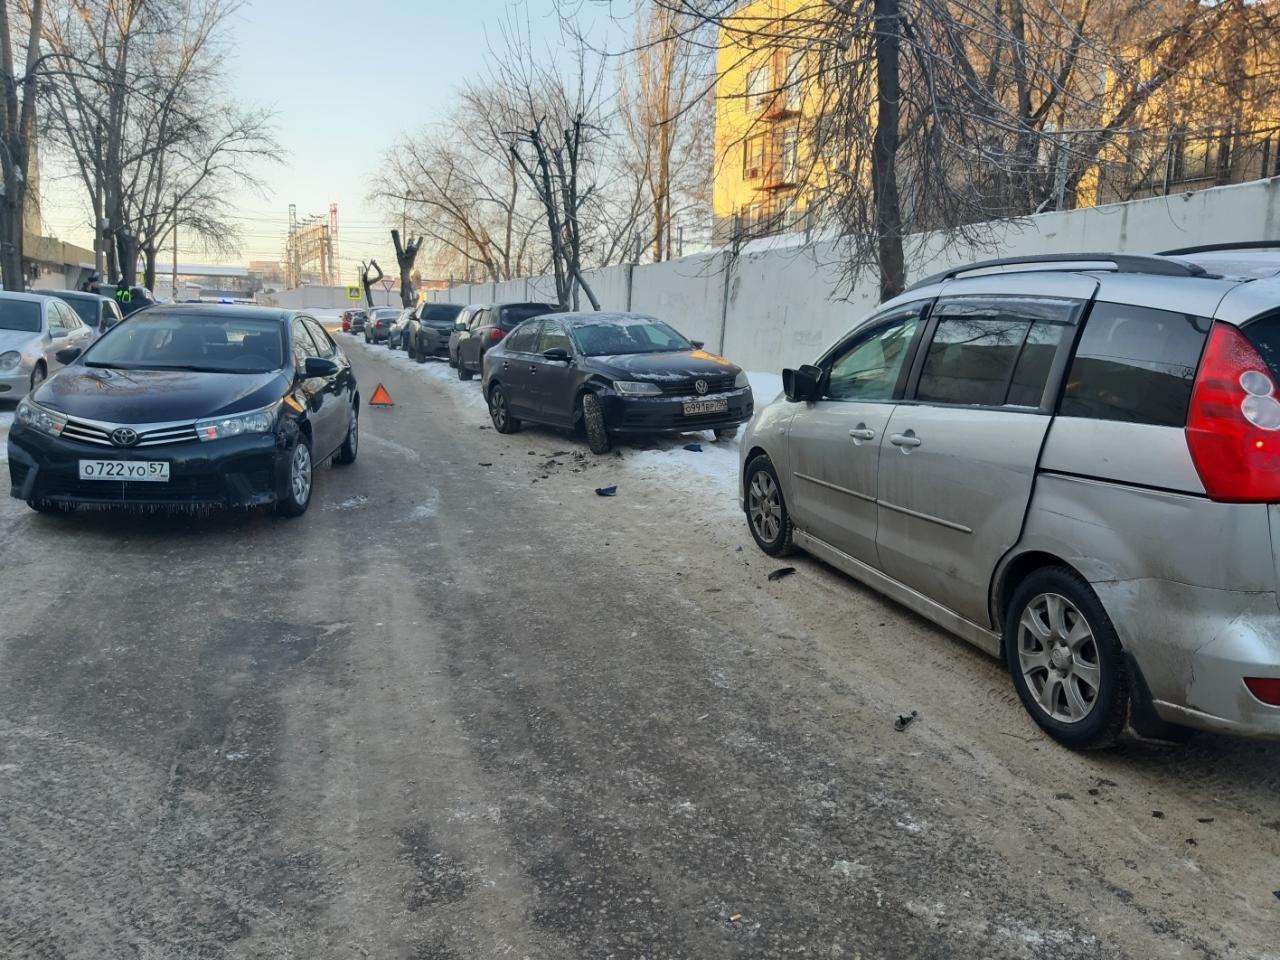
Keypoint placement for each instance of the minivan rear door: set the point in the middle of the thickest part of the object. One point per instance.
(960, 451)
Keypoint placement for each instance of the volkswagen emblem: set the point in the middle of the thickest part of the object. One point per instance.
(124, 437)
(700, 386)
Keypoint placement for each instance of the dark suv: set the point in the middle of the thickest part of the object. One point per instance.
(429, 329)
(489, 326)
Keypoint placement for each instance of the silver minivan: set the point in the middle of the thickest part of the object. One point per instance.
(1070, 461)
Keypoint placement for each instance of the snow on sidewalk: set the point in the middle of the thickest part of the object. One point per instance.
(662, 458)
(6, 421)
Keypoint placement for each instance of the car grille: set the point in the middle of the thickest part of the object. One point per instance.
(686, 388)
(154, 435)
(178, 490)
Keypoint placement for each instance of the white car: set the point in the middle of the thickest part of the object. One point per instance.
(34, 330)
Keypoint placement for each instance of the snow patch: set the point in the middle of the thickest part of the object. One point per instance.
(427, 509)
(351, 503)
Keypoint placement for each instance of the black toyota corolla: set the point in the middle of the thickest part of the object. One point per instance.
(612, 373)
(189, 405)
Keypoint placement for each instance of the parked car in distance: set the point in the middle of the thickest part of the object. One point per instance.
(189, 405)
(1073, 463)
(430, 329)
(358, 320)
(397, 332)
(611, 373)
(34, 329)
(379, 323)
(488, 327)
(128, 299)
(346, 321)
(95, 311)
(461, 328)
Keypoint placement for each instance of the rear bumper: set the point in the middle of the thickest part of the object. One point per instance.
(666, 414)
(1195, 646)
(242, 471)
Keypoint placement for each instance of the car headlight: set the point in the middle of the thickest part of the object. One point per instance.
(255, 421)
(31, 414)
(636, 388)
(10, 359)
(741, 380)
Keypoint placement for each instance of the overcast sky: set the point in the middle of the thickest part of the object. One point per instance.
(345, 79)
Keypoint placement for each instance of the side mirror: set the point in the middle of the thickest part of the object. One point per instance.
(803, 385)
(698, 344)
(68, 355)
(558, 354)
(319, 367)
(459, 328)
(58, 334)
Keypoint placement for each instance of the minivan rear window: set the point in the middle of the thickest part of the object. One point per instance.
(1135, 364)
(511, 317)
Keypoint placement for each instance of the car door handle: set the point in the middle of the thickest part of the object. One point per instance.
(862, 432)
(533, 368)
(907, 440)
(505, 365)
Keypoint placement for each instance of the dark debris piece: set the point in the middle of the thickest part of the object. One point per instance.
(693, 447)
(611, 491)
(486, 464)
(782, 572)
(904, 721)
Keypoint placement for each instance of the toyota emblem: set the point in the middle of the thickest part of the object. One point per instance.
(700, 386)
(124, 437)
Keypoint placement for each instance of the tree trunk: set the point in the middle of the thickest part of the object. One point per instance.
(11, 237)
(127, 251)
(406, 255)
(149, 268)
(884, 150)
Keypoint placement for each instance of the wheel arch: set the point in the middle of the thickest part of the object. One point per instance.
(756, 451)
(1013, 570)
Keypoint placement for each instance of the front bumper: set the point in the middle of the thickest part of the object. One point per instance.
(243, 471)
(14, 384)
(1195, 646)
(434, 341)
(666, 414)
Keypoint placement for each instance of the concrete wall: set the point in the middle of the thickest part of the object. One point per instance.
(785, 304)
(326, 298)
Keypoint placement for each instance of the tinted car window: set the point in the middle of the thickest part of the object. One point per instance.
(513, 316)
(1135, 364)
(478, 319)
(524, 339)
(20, 315)
(975, 357)
(158, 341)
(85, 308)
(55, 317)
(303, 346)
(324, 345)
(554, 338)
(872, 362)
(439, 312)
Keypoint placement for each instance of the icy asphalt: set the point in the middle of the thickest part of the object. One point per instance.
(467, 709)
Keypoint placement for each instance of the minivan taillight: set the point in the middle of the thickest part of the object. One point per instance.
(496, 334)
(1233, 424)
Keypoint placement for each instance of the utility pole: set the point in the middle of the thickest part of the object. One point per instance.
(175, 249)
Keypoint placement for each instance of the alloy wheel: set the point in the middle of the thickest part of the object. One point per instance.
(764, 506)
(300, 473)
(1059, 659)
(498, 408)
(355, 435)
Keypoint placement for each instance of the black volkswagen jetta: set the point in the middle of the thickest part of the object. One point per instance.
(612, 373)
(190, 404)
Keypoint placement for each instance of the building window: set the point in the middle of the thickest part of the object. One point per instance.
(788, 157)
(753, 157)
(795, 79)
(758, 88)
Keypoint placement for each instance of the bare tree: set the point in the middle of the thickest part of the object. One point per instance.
(17, 130)
(406, 256)
(367, 281)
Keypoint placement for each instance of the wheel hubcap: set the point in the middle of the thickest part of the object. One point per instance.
(498, 409)
(300, 475)
(1058, 656)
(355, 434)
(764, 506)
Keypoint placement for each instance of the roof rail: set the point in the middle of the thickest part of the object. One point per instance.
(1123, 263)
(1216, 247)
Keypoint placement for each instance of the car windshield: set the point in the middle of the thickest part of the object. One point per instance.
(631, 336)
(85, 307)
(21, 315)
(515, 315)
(212, 343)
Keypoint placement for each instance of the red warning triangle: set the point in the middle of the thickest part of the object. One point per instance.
(381, 398)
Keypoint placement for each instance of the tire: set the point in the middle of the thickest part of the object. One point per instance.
(726, 433)
(453, 360)
(500, 410)
(298, 493)
(351, 446)
(1065, 660)
(418, 353)
(463, 372)
(38, 376)
(766, 508)
(593, 424)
